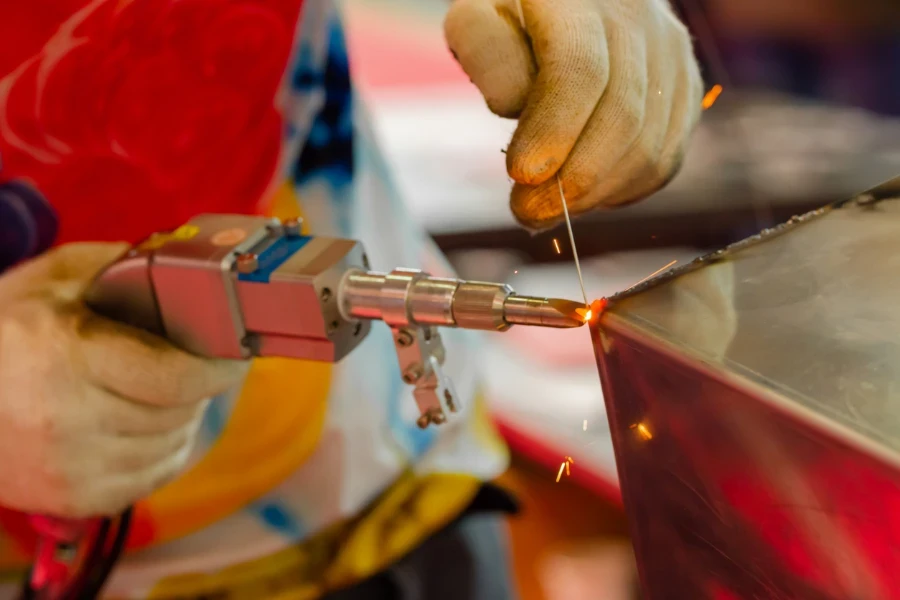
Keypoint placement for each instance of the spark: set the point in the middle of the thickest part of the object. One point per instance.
(516, 271)
(643, 431)
(556, 245)
(584, 425)
(653, 274)
(711, 96)
(565, 467)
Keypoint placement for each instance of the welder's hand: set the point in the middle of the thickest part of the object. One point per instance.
(607, 93)
(93, 415)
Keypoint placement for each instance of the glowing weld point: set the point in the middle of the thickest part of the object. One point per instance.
(584, 314)
(556, 245)
(711, 96)
(643, 431)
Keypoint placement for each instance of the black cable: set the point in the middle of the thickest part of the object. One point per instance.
(103, 568)
(95, 567)
(92, 557)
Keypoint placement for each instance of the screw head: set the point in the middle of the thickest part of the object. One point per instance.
(404, 338)
(247, 263)
(326, 294)
(423, 421)
(292, 227)
(412, 374)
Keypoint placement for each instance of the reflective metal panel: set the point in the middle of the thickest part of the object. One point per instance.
(754, 400)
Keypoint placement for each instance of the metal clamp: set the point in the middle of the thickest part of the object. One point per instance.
(420, 352)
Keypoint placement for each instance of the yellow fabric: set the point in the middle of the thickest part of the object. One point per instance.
(344, 554)
(410, 511)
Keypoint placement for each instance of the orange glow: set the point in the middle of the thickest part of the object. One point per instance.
(556, 245)
(711, 96)
(643, 431)
(565, 467)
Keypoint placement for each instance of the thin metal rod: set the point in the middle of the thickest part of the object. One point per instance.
(565, 206)
(562, 196)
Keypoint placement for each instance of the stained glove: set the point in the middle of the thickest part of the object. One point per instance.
(606, 92)
(94, 415)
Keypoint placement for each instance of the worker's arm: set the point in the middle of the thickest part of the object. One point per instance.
(607, 93)
(93, 415)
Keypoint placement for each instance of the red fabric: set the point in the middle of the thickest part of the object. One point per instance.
(131, 116)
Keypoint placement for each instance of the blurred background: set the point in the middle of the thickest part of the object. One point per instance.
(809, 113)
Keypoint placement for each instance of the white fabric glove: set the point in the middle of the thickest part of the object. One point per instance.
(94, 415)
(607, 93)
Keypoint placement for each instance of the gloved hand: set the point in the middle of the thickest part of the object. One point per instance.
(607, 93)
(94, 415)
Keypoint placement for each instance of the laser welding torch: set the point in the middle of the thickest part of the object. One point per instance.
(240, 287)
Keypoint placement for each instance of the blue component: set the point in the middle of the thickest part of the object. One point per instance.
(273, 257)
(278, 519)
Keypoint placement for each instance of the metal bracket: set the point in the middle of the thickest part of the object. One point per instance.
(420, 351)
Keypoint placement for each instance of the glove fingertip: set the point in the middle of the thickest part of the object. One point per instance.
(534, 208)
(529, 167)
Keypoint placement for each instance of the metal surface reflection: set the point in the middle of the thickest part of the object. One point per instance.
(754, 400)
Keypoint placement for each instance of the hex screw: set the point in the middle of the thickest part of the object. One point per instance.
(247, 263)
(292, 227)
(404, 338)
(412, 374)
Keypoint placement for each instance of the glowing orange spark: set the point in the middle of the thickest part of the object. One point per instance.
(565, 466)
(556, 245)
(643, 431)
(585, 313)
(653, 274)
(711, 96)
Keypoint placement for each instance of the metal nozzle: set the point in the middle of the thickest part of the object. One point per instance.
(543, 312)
(405, 297)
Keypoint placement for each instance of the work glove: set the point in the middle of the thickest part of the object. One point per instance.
(606, 92)
(94, 415)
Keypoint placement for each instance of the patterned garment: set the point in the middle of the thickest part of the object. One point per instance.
(130, 116)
